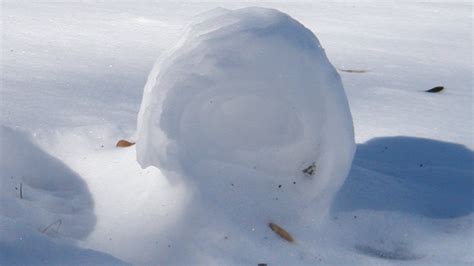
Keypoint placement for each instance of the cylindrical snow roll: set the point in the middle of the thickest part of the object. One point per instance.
(248, 96)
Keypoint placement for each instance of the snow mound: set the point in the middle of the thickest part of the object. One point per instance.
(248, 101)
(42, 191)
(45, 207)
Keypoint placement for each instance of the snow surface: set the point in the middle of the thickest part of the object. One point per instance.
(72, 79)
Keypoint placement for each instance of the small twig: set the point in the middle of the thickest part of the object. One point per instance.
(21, 190)
(58, 222)
(358, 71)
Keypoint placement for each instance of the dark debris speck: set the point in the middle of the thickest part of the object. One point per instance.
(435, 89)
(310, 170)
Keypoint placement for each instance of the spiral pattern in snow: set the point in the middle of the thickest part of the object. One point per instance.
(248, 89)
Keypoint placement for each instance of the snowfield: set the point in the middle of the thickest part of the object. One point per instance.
(223, 138)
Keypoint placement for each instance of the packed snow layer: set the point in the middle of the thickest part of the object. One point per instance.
(248, 97)
(72, 78)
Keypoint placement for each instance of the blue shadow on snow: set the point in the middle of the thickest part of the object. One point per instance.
(414, 175)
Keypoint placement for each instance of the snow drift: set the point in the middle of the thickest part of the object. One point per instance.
(39, 189)
(45, 207)
(248, 97)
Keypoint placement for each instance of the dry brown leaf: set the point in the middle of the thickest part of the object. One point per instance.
(124, 143)
(281, 232)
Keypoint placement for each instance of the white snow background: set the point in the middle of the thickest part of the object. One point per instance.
(72, 78)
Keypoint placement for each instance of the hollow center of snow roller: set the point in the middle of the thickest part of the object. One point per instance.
(244, 122)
